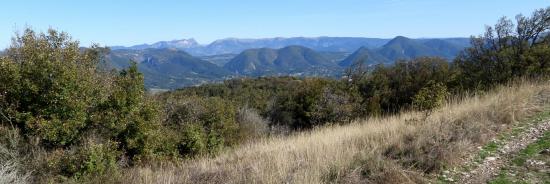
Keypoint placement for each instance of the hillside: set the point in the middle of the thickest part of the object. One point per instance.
(289, 60)
(168, 68)
(368, 56)
(219, 60)
(405, 48)
(444, 48)
(394, 149)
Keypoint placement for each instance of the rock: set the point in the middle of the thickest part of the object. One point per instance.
(490, 159)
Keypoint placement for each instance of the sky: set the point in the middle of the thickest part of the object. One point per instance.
(130, 22)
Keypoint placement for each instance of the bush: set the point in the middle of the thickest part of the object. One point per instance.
(430, 97)
(294, 107)
(90, 160)
(50, 86)
(389, 89)
(128, 116)
(192, 141)
(52, 91)
(205, 124)
(314, 102)
(335, 105)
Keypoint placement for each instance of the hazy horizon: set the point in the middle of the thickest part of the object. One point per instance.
(126, 23)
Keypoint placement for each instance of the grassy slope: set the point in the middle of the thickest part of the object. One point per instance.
(397, 149)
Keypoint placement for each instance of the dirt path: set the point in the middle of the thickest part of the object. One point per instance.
(491, 165)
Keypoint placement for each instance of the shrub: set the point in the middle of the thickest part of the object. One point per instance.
(52, 91)
(128, 116)
(251, 124)
(205, 124)
(388, 89)
(50, 86)
(89, 160)
(192, 141)
(335, 105)
(430, 97)
(313, 102)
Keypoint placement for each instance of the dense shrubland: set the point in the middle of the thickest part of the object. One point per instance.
(63, 117)
(70, 116)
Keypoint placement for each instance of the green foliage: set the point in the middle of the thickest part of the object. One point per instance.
(507, 51)
(390, 89)
(91, 159)
(295, 107)
(127, 116)
(50, 86)
(52, 91)
(313, 102)
(256, 93)
(192, 141)
(430, 97)
(288, 101)
(206, 124)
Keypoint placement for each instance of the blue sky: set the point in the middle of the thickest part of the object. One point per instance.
(129, 22)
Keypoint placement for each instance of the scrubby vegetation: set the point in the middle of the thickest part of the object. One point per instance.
(65, 118)
(402, 148)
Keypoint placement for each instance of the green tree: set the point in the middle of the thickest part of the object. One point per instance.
(49, 86)
(53, 92)
(388, 89)
(430, 97)
(128, 115)
(506, 51)
(201, 125)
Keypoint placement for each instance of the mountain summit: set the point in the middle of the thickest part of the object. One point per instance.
(182, 44)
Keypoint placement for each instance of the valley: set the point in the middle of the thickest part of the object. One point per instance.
(180, 63)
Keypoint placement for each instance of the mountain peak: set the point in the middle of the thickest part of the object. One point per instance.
(399, 39)
(291, 59)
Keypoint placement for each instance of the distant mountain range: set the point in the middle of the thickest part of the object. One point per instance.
(174, 44)
(237, 45)
(169, 65)
(291, 60)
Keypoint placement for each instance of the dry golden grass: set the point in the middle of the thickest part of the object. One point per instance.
(403, 148)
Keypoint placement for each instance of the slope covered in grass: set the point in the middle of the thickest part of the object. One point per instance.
(396, 149)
